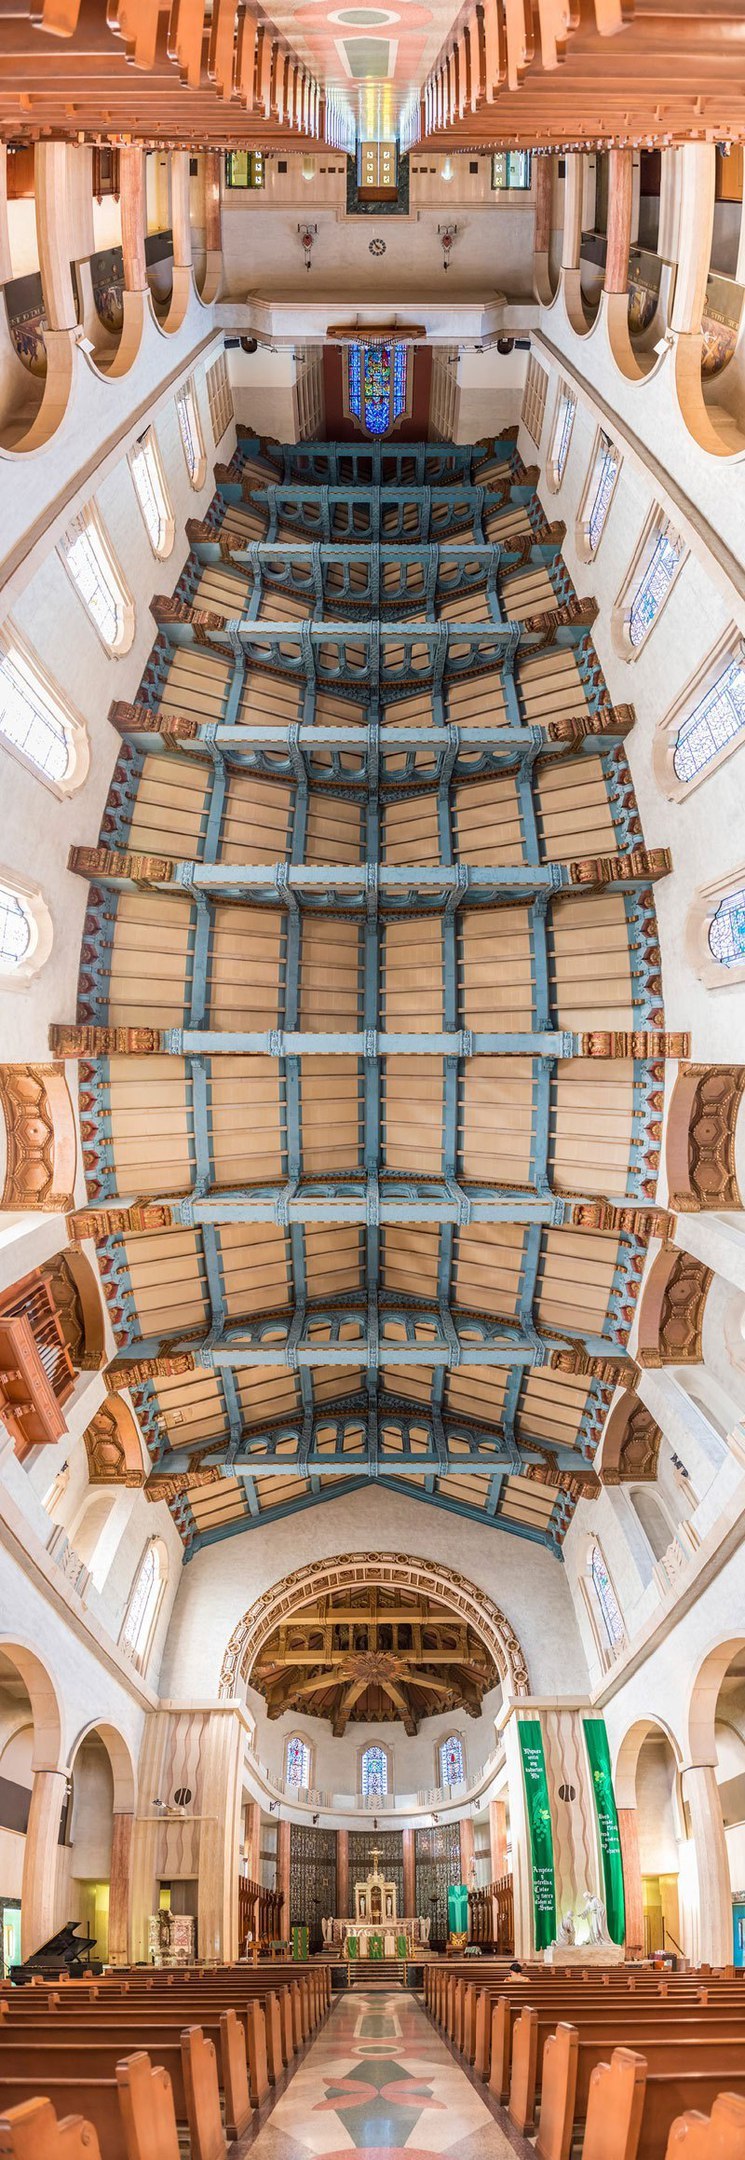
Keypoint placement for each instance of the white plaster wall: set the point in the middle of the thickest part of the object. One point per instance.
(414, 1763)
(704, 831)
(224, 1580)
(44, 605)
(88, 1692)
(493, 252)
(262, 384)
(490, 389)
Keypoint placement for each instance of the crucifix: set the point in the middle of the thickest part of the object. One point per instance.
(376, 1856)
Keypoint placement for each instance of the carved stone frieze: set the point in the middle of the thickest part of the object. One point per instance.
(39, 1138)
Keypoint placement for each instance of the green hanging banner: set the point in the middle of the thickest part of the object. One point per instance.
(596, 1741)
(457, 1909)
(539, 1827)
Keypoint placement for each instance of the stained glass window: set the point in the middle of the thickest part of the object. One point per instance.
(297, 1762)
(374, 1773)
(354, 368)
(452, 1771)
(604, 476)
(510, 169)
(727, 931)
(31, 717)
(717, 717)
(15, 930)
(660, 564)
(191, 433)
(563, 425)
(377, 377)
(137, 1631)
(606, 1598)
(151, 493)
(98, 581)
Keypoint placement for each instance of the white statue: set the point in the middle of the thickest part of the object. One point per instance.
(593, 1911)
(327, 1926)
(565, 1932)
(426, 1925)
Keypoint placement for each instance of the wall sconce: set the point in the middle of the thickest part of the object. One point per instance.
(307, 236)
(446, 235)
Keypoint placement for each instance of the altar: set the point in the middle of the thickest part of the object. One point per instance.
(376, 1930)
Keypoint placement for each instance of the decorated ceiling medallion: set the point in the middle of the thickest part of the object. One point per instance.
(377, 247)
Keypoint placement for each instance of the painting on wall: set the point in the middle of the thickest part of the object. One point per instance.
(27, 322)
(720, 322)
(644, 288)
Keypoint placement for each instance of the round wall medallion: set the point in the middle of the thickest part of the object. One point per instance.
(377, 247)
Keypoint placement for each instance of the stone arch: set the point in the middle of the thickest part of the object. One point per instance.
(38, 1138)
(631, 1443)
(627, 1758)
(671, 1310)
(77, 1295)
(44, 1698)
(700, 1144)
(704, 1696)
(113, 1445)
(389, 1570)
(120, 1759)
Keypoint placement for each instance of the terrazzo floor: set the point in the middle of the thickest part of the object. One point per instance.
(379, 2081)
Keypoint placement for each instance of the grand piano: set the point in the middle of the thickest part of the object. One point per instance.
(66, 1952)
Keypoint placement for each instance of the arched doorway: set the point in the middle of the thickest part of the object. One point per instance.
(717, 1745)
(94, 1862)
(654, 1840)
(32, 1794)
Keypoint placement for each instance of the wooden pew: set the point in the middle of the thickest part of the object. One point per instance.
(664, 2038)
(147, 2111)
(203, 2097)
(144, 2028)
(718, 2136)
(32, 2132)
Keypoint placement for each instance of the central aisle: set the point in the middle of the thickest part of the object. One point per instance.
(379, 2082)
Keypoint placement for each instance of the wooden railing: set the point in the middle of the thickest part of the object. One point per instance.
(259, 1912)
(492, 1917)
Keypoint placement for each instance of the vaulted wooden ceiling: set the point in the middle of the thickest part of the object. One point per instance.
(373, 1655)
(369, 1012)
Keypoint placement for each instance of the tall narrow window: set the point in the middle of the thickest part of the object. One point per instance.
(452, 1768)
(32, 717)
(603, 477)
(374, 1773)
(97, 578)
(605, 1599)
(650, 583)
(144, 1603)
(297, 1761)
(150, 489)
(727, 931)
(15, 931)
(562, 434)
(713, 722)
(191, 434)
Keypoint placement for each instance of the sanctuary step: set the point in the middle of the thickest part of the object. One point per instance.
(365, 1970)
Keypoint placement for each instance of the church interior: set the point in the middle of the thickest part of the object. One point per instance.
(372, 709)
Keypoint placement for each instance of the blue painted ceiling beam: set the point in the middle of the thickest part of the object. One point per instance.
(438, 888)
(405, 1335)
(361, 1200)
(436, 1498)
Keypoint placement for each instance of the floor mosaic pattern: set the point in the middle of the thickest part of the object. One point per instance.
(379, 2082)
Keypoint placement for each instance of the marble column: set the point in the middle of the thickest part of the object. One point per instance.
(342, 1874)
(212, 216)
(544, 189)
(696, 169)
(180, 214)
(119, 1889)
(283, 1872)
(572, 233)
(498, 1839)
(409, 1842)
(713, 1945)
(54, 233)
(252, 1840)
(39, 1888)
(133, 215)
(628, 1833)
(620, 195)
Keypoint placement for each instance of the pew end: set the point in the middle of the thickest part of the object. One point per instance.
(32, 2132)
(558, 2094)
(147, 2110)
(615, 2107)
(202, 2096)
(718, 2136)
